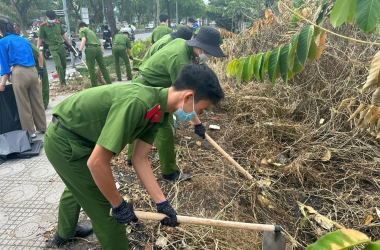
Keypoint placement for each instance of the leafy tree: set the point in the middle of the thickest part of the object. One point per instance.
(97, 8)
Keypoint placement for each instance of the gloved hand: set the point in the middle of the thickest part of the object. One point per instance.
(72, 48)
(80, 55)
(123, 213)
(200, 130)
(165, 208)
(131, 57)
(40, 72)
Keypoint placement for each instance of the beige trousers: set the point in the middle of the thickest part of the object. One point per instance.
(28, 93)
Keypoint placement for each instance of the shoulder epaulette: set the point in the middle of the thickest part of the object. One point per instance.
(56, 21)
(43, 23)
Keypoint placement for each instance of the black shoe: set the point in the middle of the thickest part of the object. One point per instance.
(129, 78)
(129, 162)
(45, 107)
(177, 176)
(119, 79)
(82, 231)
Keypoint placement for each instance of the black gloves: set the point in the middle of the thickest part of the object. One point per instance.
(124, 213)
(72, 49)
(41, 72)
(165, 208)
(131, 57)
(200, 130)
(80, 54)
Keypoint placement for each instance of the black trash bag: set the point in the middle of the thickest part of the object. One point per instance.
(14, 142)
(9, 119)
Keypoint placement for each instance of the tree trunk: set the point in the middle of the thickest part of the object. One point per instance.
(110, 16)
(168, 10)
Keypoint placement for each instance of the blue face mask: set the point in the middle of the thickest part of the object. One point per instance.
(50, 21)
(183, 116)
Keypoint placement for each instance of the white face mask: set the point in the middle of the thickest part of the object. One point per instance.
(203, 58)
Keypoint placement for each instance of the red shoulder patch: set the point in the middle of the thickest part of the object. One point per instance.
(56, 21)
(43, 23)
(154, 112)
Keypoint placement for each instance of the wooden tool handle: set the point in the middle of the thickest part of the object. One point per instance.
(240, 168)
(206, 222)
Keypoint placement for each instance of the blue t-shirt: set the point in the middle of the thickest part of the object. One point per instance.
(15, 50)
(195, 26)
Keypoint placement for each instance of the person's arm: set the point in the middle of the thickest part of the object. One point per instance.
(39, 41)
(66, 39)
(40, 59)
(82, 44)
(99, 165)
(4, 80)
(144, 171)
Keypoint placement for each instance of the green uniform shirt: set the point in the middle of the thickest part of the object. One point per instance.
(51, 33)
(115, 115)
(121, 39)
(160, 31)
(163, 67)
(90, 36)
(157, 46)
(36, 52)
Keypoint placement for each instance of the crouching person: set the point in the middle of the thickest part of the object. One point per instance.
(85, 134)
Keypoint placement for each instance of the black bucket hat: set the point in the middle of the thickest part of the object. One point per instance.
(208, 40)
(184, 33)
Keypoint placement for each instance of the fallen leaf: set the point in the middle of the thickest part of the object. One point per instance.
(323, 222)
(378, 212)
(187, 138)
(264, 161)
(326, 156)
(321, 121)
(199, 143)
(368, 220)
(161, 242)
(128, 229)
(259, 170)
(117, 185)
(264, 202)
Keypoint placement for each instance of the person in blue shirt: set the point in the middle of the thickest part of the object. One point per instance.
(195, 26)
(16, 59)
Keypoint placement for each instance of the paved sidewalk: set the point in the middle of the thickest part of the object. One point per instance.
(29, 195)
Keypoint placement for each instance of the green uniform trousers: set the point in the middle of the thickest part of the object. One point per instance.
(68, 153)
(92, 54)
(165, 145)
(45, 85)
(58, 53)
(120, 51)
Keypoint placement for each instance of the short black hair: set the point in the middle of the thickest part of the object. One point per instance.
(191, 20)
(163, 17)
(50, 14)
(82, 24)
(202, 80)
(6, 27)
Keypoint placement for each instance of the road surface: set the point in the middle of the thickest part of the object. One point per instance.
(51, 67)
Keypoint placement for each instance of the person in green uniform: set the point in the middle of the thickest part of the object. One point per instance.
(121, 47)
(160, 70)
(183, 33)
(162, 29)
(52, 33)
(37, 54)
(85, 134)
(94, 52)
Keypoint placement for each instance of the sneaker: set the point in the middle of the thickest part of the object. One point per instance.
(81, 232)
(177, 176)
(33, 136)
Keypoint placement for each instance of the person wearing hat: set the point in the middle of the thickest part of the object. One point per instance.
(16, 58)
(86, 134)
(94, 52)
(160, 70)
(162, 29)
(52, 33)
(183, 33)
(121, 47)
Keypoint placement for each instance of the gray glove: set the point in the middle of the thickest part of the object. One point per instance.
(165, 208)
(123, 213)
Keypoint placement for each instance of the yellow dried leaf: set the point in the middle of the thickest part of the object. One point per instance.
(376, 95)
(362, 115)
(367, 117)
(321, 46)
(254, 28)
(348, 108)
(368, 220)
(321, 121)
(343, 103)
(373, 76)
(259, 170)
(279, 6)
(374, 119)
(304, 12)
(323, 222)
(288, 3)
(264, 202)
(326, 156)
(264, 161)
(268, 12)
(199, 143)
(361, 106)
